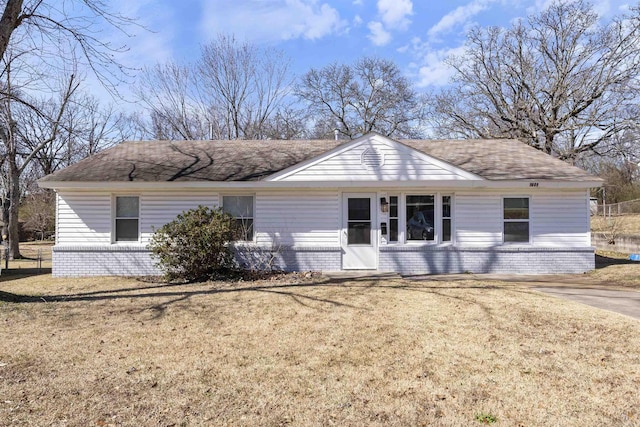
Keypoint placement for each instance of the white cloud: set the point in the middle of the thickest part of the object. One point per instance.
(271, 20)
(433, 71)
(458, 16)
(378, 36)
(395, 13)
(357, 21)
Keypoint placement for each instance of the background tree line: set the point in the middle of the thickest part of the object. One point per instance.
(561, 81)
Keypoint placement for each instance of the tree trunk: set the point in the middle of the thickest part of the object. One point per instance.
(5, 218)
(9, 22)
(14, 204)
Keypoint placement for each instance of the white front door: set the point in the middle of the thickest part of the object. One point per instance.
(359, 242)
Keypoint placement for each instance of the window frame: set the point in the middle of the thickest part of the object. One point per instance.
(510, 220)
(399, 234)
(115, 218)
(435, 239)
(442, 218)
(402, 220)
(253, 211)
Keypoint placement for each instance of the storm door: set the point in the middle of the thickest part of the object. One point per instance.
(359, 242)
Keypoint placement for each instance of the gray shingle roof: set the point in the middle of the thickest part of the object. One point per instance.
(254, 160)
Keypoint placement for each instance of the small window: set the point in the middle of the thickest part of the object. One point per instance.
(127, 216)
(241, 209)
(420, 217)
(359, 221)
(516, 219)
(446, 218)
(393, 219)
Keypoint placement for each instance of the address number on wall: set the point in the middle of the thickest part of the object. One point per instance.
(534, 184)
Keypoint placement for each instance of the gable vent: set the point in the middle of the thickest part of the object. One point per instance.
(372, 158)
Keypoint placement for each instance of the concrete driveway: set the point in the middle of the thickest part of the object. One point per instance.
(624, 302)
(573, 287)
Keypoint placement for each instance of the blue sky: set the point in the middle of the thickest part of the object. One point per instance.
(416, 34)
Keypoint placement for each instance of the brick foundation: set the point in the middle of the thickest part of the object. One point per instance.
(506, 260)
(112, 260)
(116, 260)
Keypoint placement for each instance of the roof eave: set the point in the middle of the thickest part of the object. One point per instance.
(461, 184)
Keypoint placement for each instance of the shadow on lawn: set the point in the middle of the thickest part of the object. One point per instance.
(9, 274)
(177, 292)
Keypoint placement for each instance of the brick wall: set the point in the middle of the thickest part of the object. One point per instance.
(136, 261)
(113, 260)
(290, 258)
(512, 260)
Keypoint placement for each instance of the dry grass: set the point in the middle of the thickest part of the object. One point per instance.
(109, 351)
(623, 224)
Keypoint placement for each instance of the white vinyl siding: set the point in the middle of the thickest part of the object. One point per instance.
(478, 220)
(560, 220)
(398, 164)
(298, 219)
(556, 219)
(83, 218)
(159, 208)
(313, 218)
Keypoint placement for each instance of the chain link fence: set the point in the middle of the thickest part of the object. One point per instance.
(616, 209)
(36, 259)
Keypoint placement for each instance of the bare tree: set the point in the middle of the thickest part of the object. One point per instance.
(560, 81)
(38, 211)
(370, 95)
(244, 83)
(233, 91)
(17, 157)
(288, 123)
(85, 128)
(169, 93)
(38, 39)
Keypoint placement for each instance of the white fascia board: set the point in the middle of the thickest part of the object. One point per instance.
(533, 185)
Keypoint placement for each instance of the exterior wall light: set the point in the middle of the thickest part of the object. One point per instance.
(384, 205)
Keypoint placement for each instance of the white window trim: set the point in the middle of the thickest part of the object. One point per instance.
(221, 197)
(114, 218)
(398, 217)
(403, 219)
(451, 217)
(529, 220)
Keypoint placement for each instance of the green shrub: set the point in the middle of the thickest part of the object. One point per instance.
(195, 245)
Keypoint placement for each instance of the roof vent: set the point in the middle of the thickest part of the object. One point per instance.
(372, 158)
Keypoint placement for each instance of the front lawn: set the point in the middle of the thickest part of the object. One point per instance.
(110, 351)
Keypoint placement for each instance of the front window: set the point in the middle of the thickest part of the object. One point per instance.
(241, 209)
(420, 212)
(127, 216)
(516, 219)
